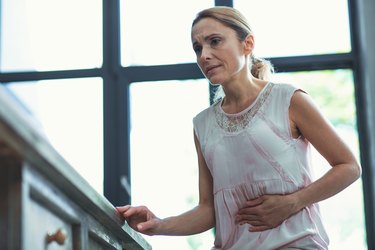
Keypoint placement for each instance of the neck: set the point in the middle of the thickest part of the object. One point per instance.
(240, 94)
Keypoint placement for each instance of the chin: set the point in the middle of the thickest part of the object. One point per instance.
(214, 81)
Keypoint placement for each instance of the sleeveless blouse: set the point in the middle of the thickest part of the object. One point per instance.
(250, 154)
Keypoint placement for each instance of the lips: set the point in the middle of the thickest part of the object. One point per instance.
(210, 68)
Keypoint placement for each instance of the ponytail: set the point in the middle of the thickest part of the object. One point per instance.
(261, 68)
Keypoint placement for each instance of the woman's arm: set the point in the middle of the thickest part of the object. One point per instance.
(270, 211)
(197, 220)
(306, 117)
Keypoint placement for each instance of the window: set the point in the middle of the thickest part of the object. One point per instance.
(40, 36)
(297, 27)
(70, 114)
(50, 35)
(164, 166)
(158, 34)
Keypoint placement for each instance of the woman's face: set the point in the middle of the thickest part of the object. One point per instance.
(220, 54)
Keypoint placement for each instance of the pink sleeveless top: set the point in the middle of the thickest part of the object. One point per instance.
(253, 153)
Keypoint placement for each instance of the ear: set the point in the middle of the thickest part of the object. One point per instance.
(248, 44)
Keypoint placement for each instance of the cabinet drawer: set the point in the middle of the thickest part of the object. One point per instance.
(95, 242)
(46, 230)
(51, 221)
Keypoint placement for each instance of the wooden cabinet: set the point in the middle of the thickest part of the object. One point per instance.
(50, 219)
(44, 203)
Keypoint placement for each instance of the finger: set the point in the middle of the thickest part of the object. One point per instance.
(131, 211)
(244, 210)
(146, 227)
(123, 208)
(256, 223)
(252, 223)
(255, 202)
(258, 228)
(245, 217)
(248, 213)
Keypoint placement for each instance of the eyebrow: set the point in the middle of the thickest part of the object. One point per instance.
(207, 37)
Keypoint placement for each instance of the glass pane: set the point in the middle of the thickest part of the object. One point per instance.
(70, 113)
(345, 228)
(50, 35)
(158, 32)
(297, 27)
(164, 168)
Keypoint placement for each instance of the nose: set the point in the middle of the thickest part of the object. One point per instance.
(205, 54)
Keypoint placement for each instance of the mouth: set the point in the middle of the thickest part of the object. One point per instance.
(210, 69)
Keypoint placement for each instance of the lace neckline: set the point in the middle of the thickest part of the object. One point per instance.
(236, 122)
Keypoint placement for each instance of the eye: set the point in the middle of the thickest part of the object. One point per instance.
(197, 49)
(215, 41)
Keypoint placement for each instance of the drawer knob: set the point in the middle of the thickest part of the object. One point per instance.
(59, 237)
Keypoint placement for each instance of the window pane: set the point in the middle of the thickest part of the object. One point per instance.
(297, 27)
(164, 165)
(50, 35)
(70, 115)
(158, 32)
(346, 228)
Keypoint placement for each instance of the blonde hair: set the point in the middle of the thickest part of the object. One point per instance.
(232, 18)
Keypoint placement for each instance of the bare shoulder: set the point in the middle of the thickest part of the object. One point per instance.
(302, 106)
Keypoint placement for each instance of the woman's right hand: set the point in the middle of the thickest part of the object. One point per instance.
(140, 218)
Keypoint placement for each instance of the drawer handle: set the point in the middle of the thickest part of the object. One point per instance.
(59, 237)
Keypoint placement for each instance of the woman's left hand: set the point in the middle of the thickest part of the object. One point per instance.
(266, 212)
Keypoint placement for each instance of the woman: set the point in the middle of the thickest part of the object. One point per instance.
(255, 184)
